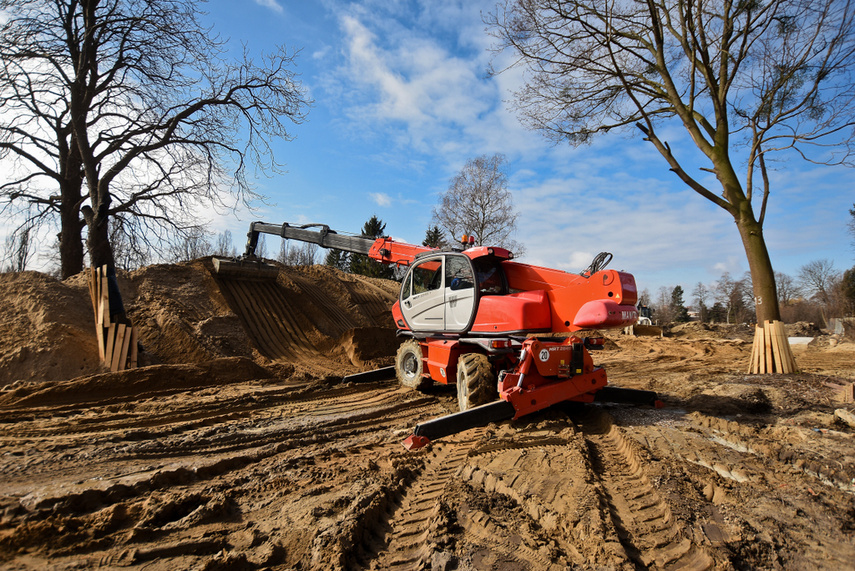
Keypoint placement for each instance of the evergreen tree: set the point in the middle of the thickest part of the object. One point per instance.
(338, 259)
(362, 264)
(433, 238)
(679, 311)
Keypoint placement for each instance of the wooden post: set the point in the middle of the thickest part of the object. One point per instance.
(117, 342)
(771, 351)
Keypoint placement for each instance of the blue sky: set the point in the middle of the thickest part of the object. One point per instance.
(402, 99)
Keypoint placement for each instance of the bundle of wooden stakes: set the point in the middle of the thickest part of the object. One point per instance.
(117, 342)
(771, 352)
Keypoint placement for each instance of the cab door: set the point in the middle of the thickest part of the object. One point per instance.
(459, 293)
(438, 294)
(423, 297)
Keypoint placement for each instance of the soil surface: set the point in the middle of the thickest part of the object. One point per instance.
(239, 445)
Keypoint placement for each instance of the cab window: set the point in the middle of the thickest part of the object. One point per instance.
(491, 280)
(458, 273)
(427, 276)
(406, 289)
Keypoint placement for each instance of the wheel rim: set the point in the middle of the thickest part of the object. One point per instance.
(410, 365)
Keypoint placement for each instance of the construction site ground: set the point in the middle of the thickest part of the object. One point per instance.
(236, 444)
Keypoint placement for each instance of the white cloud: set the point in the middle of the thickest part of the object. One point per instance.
(272, 4)
(403, 79)
(380, 198)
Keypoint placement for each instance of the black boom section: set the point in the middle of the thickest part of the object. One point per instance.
(458, 422)
(319, 234)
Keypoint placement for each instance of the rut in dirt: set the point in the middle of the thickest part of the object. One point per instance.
(646, 526)
(408, 527)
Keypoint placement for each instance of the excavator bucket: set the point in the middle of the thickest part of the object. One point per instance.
(243, 268)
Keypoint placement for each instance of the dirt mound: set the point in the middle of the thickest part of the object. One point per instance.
(803, 329)
(307, 318)
(47, 329)
(698, 330)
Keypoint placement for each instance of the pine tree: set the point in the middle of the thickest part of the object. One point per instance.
(338, 259)
(681, 314)
(434, 238)
(362, 264)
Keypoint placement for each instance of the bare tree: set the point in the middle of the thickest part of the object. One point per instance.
(130, 250)
(261, 247)
(701, 295)
(818, 278)
(744, 79)
(478, 203)
(302, 255)
(130, 108)
(19, 249)
(735, 297)
(662, 306)
(224, 245)
(788, 290)
(194, 245)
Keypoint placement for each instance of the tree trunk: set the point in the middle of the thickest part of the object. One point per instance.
(751, 232)
(71, 229)
(101, 252)
(760, 266)
(98, 242)
(71, 192)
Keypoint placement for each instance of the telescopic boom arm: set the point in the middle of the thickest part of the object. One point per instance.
(383, 249)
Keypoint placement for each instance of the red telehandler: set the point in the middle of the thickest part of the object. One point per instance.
(498, 329)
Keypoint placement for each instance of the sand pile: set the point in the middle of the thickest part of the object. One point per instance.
(316, 319)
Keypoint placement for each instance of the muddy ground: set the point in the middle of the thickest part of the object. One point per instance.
(238, 446)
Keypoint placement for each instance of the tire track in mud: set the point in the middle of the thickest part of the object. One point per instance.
(344, 416)
(646, 526)
(349, 419)
(29, 422)
(529, 536)
(405, 544)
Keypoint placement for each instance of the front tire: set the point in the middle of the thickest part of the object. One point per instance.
(476, 383)
(409, 366)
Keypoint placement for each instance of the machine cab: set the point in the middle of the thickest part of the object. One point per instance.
(440, 292)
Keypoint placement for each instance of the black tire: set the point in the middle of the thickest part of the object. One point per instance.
(476, 383)
(409, 367)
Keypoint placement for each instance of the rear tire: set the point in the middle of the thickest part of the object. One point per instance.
(409, 367)
(476, 383)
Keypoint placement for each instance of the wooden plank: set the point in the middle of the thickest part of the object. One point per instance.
(767, 347)
(783, 347)
(786, 352)
(135, 332)
(126, 342)
(99, 333)
(760, 362)
(108, 346)
(117, 350)
(104, 306)
(777, 346)
(790, 357)
(752, 364)
(93, 291)
(95, 297)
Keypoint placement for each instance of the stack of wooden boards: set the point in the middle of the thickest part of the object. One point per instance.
(771, 352)
(117, 342)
